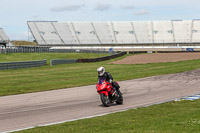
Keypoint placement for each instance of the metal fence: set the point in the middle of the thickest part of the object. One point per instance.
(23, 49)
(28, 64)
(24, 64)
(62, 61)
(32, 49)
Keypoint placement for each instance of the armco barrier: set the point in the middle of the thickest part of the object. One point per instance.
(62, 61)
(28, 64)
(67, 61)
(101, 58)
(24, 64)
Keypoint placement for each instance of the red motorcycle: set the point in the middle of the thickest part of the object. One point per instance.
(107, 93)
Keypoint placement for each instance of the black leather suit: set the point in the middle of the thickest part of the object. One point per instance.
(108, 78)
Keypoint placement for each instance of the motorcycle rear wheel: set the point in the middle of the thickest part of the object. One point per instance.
(105, 100)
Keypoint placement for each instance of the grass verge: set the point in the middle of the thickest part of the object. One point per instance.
(13, 57)
(171, 117)
(80, 74)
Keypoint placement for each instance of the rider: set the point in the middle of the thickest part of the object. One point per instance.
(108, 77)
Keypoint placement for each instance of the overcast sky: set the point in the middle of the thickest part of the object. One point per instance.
(14, 14)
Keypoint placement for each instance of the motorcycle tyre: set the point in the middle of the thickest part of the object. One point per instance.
(105, 100)
(120, 100)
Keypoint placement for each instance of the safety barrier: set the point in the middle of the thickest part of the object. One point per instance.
(62, 61)
(32, 49)
(67, 61)
(24, 64)
(28, 64)
(101, 58)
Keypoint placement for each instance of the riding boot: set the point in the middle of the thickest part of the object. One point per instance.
(117, 87)
(115, 92)
(119, 92)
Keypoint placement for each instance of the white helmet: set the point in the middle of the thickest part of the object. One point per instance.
(101, 71)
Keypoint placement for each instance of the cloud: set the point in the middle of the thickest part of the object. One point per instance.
(102, 7)
(128, 7)
(142, 12)
(67, 8)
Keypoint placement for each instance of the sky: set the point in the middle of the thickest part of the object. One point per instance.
(14, 14)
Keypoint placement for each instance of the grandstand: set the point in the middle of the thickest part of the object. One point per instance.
(3, 37)
(54, 33)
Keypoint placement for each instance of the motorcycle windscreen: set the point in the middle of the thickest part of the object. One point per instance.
(101, 79)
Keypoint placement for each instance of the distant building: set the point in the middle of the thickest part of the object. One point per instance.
(3, 38)
(169, 32)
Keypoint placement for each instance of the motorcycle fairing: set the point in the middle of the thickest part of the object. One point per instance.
(103, 87)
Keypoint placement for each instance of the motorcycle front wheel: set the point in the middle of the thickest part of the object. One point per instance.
(105, 100)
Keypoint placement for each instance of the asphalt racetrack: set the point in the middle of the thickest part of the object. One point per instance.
(33, 109)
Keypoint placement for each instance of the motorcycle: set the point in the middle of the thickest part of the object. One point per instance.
(108, 94)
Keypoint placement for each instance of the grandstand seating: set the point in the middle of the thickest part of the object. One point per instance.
(66, 32)
(163, 32)
(86, 33)
(143, 32)
(49, 33)
(182, 31)
(104, 32)
(115, 32)
(36, 33)
(195, 36)
(124, 32)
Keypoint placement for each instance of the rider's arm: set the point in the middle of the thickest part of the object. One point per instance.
(110, 77)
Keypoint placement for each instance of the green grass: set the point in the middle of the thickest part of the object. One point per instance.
(13, 57)
(171, 117)
(80, 74)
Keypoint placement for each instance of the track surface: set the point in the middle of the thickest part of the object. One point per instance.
(28, 110)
